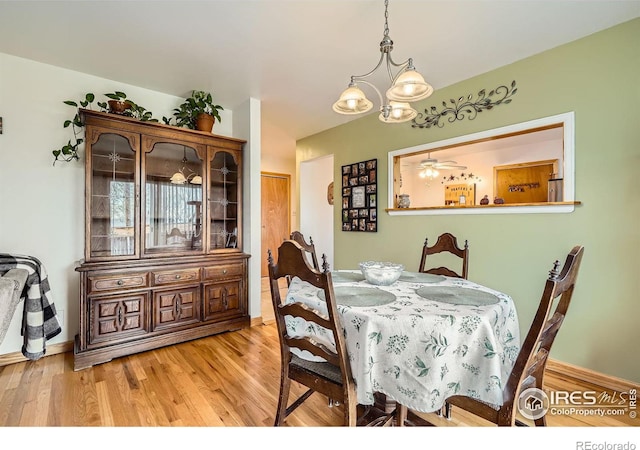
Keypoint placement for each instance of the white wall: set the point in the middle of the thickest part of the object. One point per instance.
(278, 155)
(42, 205)
(247, 126)
(316, 214)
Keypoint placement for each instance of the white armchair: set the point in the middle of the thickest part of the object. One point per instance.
(11, 289)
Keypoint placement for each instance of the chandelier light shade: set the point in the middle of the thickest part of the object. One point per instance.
(407, 86)
(399, 112)
(352, 101)
(178, 178)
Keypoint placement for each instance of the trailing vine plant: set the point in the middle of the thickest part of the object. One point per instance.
(69, 151)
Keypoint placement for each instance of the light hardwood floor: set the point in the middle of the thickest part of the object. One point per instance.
(227, 380)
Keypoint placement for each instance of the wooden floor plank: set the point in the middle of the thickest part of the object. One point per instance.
(227, 380)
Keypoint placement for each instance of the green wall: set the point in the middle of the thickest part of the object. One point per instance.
(597, 77)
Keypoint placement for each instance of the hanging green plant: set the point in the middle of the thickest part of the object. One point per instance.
(69, 151)
(118, 104)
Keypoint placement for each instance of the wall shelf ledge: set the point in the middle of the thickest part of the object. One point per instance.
(513, 208)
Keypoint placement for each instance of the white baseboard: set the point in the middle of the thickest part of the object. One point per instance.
(54, 349)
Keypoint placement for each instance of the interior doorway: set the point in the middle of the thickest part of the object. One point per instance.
(316, 209)
(276, 213)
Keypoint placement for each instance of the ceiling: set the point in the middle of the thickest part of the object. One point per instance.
(295, 56)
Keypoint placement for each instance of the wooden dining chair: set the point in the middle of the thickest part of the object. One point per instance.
(446, 242)
(308, 247)
(332, 378)
(528, 370)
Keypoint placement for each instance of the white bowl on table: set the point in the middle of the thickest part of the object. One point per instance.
(381, 273)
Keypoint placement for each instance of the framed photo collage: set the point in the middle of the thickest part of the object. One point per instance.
(360, 196)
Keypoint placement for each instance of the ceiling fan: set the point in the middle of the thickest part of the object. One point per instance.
(429, 167)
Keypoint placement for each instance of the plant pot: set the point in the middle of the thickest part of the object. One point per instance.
(204, 122)
(118, 107)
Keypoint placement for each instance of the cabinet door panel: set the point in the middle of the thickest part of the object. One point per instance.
(118, 317)
(222, 300)
(224, 198)
(173, 192)
(176, 307)
(112, 194)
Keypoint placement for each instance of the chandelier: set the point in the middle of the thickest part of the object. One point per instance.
(182, 176)
(407, 86)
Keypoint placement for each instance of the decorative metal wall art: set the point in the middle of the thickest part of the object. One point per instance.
(359, 196)
(464, 107)
(464, 176)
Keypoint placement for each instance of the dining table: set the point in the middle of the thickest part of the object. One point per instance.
(418, 340)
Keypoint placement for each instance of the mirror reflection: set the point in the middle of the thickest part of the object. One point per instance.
(173, 194)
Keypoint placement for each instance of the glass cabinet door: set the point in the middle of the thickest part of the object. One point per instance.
(172, 204)
(112, 198)
(223, 201)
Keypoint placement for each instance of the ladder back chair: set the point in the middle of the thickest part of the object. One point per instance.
(308, 247)
(332, 378)
(446, 243)
(528, 370)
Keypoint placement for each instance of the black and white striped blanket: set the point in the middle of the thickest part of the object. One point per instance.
(39, 322)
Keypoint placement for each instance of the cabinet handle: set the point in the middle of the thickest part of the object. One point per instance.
(224, 271)
(119, 282)
(178, 302)
(225, 302)
(178, 277)
(120, 315)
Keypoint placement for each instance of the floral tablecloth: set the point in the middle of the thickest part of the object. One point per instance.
(432, 338)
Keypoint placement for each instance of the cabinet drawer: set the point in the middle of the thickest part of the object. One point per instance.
(176, 276)
(223, 271)
(113, 282)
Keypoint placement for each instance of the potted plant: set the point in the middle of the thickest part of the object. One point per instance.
(198, 112)
(118, 103)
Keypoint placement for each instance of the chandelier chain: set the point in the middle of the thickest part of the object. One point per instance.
(386, 18)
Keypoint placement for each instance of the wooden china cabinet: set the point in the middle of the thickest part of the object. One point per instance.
(163, 243)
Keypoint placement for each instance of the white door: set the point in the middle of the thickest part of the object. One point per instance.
(316, 214)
